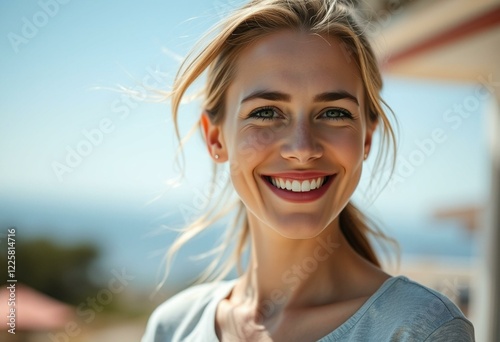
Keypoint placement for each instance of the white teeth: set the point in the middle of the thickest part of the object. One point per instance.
(305, 186)
(297, 185)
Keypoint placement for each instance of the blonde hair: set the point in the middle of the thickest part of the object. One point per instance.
(225, 41)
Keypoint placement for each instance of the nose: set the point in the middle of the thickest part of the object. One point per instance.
(300, 144)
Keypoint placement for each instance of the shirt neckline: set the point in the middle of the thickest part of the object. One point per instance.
(338, 332)
(353, 320)
(210, 311)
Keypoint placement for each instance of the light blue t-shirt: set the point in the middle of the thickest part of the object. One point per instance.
(400, 310)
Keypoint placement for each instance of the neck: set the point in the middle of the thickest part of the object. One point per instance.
(285, 273)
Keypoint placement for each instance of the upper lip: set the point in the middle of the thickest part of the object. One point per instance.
(302, 175)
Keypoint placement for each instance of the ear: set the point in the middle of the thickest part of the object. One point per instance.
(213, 138)
(370, 129)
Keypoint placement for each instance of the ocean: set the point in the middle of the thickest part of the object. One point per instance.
(135, 238)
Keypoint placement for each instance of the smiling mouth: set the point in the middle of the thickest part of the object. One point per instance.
(295, 185)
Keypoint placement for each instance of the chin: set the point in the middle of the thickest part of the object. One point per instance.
(297, 226)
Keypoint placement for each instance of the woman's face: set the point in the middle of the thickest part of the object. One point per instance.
(294, 131)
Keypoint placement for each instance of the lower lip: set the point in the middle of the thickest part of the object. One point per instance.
(300, 197)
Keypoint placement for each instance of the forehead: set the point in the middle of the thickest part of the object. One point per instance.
(293, 62)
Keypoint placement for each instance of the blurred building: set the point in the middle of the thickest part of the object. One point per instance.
(35, 315)
(454, 40)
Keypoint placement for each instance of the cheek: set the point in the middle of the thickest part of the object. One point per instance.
(347, 145)
(250, 144)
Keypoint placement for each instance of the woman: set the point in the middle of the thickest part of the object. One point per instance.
(291, 104)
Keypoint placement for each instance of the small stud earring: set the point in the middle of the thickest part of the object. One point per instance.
(366, 155)
(216, 156)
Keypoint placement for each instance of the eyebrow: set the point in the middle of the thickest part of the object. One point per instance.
(334, 96)
(328, 96)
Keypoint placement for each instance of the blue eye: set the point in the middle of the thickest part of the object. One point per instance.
(264, 113)
(336, 114)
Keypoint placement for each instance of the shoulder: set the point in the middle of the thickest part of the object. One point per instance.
(414, 296)
(420, 313)
(182, 311)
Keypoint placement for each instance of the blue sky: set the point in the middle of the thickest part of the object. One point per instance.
(54, 87)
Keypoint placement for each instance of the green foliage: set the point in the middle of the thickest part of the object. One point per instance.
(60, 271)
